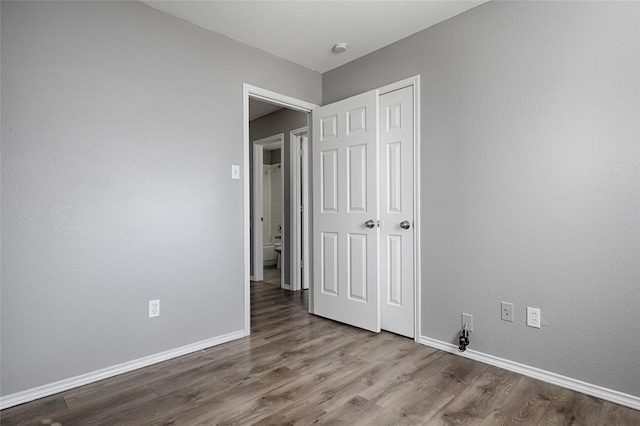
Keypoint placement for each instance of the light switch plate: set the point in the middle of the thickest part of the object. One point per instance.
(235, 171)
(507, 311)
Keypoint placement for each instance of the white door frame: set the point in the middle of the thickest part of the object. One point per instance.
(257, 242)
(299, 222)
(273, 98)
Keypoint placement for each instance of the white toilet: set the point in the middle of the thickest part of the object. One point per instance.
(277, 246)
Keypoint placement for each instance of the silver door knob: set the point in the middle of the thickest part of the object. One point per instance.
(370, 223)
(405, 224)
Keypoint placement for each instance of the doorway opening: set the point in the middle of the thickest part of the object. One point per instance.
(267, 204)
(270, 110)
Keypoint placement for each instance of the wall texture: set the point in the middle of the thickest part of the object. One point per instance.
(530, 179)
(119, 128)
(281, 121)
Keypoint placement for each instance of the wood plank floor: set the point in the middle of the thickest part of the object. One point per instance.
(299, 369)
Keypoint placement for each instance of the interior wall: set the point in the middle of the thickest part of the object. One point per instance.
(275, 156)
(530, 184)
(119, 128)
(281, 121)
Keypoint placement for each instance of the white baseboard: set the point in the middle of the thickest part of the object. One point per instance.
(84, 379)
(546, 376)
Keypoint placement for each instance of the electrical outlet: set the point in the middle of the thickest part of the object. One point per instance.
(533, 317)
(154, 308)
(507, 311)
(467, 319)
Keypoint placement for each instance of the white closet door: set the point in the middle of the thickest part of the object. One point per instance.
(396, 211)
(345, 211)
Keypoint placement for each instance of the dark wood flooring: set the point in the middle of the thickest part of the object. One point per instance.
(296, 368)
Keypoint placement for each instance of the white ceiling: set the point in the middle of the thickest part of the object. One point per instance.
(304, 32)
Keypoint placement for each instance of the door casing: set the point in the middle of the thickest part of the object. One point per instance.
(299, 209)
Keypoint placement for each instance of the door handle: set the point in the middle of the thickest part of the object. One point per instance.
(405, 224)
(370, 223)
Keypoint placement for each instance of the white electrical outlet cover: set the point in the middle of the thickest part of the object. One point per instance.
(468, 319)
(533, 317)
(154, 308)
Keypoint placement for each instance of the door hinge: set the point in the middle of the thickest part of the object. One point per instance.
(301, 264)
(301, 153)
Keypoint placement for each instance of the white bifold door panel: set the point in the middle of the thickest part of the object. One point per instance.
(396, 133)
(345, 198)
(363, 225)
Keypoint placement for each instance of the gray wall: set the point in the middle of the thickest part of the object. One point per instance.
(281, 121)
(272, 157)
(119, 128)
(530, 179)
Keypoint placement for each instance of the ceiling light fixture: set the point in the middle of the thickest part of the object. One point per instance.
(340, 47)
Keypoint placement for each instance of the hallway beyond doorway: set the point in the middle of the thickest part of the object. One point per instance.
(272, 275)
